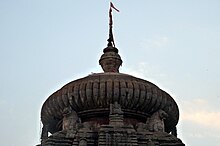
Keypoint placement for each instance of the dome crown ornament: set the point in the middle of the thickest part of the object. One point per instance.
(110, 60)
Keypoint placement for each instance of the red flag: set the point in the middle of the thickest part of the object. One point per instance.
(112, 6)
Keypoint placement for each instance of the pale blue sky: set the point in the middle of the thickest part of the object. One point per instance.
(45, 44)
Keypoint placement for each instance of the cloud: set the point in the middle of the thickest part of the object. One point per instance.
(205, 118)
(200, 111)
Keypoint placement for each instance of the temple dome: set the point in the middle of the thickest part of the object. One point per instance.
(110, 108)
(91, 97)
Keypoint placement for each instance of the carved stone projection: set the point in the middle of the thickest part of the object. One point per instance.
(83, 142)
(117, 133)
(156, 122)
(70, 119)
(116, 115)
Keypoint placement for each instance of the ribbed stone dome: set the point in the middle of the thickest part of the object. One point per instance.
(110, 108)
(91, 97)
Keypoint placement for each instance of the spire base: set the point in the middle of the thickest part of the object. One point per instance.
(110, 60)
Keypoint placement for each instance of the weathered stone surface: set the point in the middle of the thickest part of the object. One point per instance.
(155, 123)
(70, 119)
(91, 97)
(110, 109)
(117, 133)
(110, 60)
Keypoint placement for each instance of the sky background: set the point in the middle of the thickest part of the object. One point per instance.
(45, 44)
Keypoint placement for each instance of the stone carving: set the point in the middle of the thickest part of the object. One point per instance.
(156, 122)
(87, 126)
(116, 115)
(103, 88)
(83, 142)
(115, 109)
(70, 119)
(110, 60)
(161, 139)
(141, 127)
(150, 143)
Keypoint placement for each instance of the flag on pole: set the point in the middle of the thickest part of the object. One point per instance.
(111, 39)
(110, 12)
(112, 6)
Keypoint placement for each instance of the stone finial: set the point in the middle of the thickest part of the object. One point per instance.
(110, 60)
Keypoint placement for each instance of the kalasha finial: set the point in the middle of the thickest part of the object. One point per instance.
(110, 60)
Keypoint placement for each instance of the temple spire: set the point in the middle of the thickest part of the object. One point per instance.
(110, 60)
